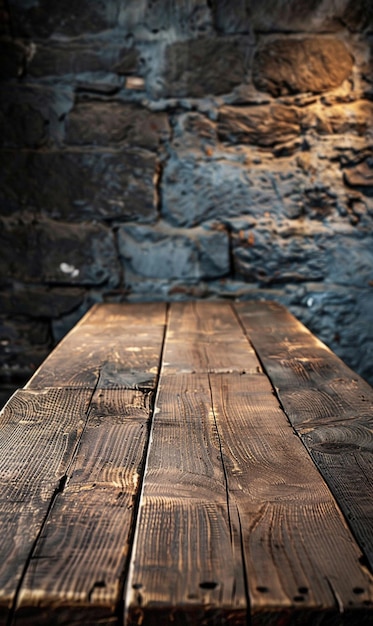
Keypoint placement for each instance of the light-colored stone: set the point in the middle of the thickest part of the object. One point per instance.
(163, 252)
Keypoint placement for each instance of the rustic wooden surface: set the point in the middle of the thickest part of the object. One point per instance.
(330, 407)
(233, 512)
(153, 471)
(74, 442)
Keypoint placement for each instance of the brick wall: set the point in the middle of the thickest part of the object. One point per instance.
(185, 149)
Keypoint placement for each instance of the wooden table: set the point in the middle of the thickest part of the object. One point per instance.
(195, 463)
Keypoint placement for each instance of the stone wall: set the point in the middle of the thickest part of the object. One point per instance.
(176, 149)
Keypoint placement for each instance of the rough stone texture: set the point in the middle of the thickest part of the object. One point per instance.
(169, 253)
(66, 17)
(185, 149)
(194, 191)
(32, 115)
(77, 185)
(287, 66)
(198, 67)
(271, 252)
(73, 58)
(21, 125)
(231, 18)
(264, 126)
(355, 117)
(103, 123)
(13, 58)
(188, 16)
(361, 176)
(58, 253)
(310, 15)
(23, 345)
(47, 302)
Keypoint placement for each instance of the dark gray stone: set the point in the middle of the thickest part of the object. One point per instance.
(43, 18)
(57, 59)
(79, 185)
(22, 126)
(58, 253)
(47, 302)
(24, 344)
(163, 252)
(358, 15)
(199, 67)
(30, 115)
(193, 16)
(298, 15)
(289, 65)
(103, 123)
(351, 261)
(12, 58)
(231, 17)
(4, 19)
(262, 125)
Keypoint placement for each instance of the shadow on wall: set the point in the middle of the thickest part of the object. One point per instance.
(157, 151)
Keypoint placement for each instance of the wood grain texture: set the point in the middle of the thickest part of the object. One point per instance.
(226, 470)
(328, 404)
(80, 558)
(39, 431)
(91, 401)
(186, 566)
(114, 346)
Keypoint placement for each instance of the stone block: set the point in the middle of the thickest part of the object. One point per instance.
(299, 15)
(262, 125)
(69, 18)
(21, 125)
(31, 114)
(12, 57)
(192, 16)
(60, 58)
(352, 118)
(104, 123)
(24, 344)
(358, 15)
(47, 302)
(163, 252)
(270, 252)
(194, 132)
(361, 176)
(75, 185)
(58, 253)
(195, 191)
(231, 18)
(351, 261)
(291, 65)
(199, 67)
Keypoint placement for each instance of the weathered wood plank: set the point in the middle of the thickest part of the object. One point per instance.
(186, 566)
(113, 346)
(220, 472)
(39, 431)
(329, 406)
(75, 532)
(79, 562)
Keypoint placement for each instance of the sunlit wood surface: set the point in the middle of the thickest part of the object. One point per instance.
(202, 463)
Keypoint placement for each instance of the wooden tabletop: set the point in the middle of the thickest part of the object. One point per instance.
(201, 463)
